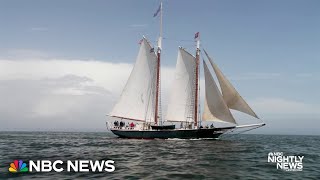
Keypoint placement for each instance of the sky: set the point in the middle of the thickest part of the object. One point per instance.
(63, 64)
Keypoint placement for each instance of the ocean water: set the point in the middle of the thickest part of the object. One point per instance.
(231, 157)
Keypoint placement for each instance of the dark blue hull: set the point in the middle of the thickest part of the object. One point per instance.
(168, 134)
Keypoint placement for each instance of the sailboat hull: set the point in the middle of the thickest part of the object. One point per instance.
(212, 133)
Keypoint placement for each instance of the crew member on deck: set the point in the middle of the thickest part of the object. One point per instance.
(116, 123)
(212, 126)
(121, 123)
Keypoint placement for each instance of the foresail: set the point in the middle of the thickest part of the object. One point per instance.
(215, 109)
(230, 94)
(137, 99)
(180, 107)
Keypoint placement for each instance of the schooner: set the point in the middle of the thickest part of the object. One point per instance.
(140, 98)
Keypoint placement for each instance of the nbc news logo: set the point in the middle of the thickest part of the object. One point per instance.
(18, 166)
(57, 166)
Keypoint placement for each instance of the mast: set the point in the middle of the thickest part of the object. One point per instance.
(157, 87)
(197, 81)
(158, 69)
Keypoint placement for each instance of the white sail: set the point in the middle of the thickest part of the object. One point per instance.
(230, 94)
(215, 109)
(180, 107)
(138, 96)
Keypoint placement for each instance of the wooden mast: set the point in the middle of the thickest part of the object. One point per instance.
(156, 117)
(157, 88)
(197, 80)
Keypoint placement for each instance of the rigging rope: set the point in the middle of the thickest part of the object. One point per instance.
(231, 135)
(248, 130)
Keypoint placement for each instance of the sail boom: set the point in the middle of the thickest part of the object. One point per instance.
(218, 120)
(140, 120)
(168, 120)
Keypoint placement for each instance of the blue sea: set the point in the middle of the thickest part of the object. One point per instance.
(231, 157)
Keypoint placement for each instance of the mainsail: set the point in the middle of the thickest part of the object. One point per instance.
(215, 109)
(181, 102)
(230, 94)
(138, 96)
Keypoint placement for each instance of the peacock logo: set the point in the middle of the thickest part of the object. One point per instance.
(18, 166)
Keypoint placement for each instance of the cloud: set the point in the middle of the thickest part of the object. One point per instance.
(280, 106)
(104, 74)
(45, 103)
(62, 94)
(282, 116)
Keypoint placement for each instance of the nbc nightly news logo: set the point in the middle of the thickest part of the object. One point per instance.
(71, 166)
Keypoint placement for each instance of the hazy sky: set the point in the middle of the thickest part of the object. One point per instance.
(63, 64)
